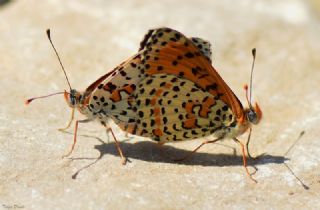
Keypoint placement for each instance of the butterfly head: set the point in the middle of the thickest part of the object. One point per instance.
(74, 98)
(253, 114)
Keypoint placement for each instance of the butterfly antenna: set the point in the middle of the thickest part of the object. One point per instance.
(31, 99)
(306, 187)
(245, 87)
(64, 71)
(254, 59)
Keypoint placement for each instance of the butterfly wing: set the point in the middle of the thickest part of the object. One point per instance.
(110, 93)
(204, 47)
(165, 50)
(169, 108)
(129, 72)
(151, 39)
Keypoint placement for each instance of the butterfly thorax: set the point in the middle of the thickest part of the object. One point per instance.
(251, 116)
(239, 126)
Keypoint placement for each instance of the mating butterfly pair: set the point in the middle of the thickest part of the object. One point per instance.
(168, 91)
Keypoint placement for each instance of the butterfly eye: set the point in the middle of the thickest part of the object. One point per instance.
(252, 117)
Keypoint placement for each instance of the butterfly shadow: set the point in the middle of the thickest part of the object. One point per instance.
(151, 152)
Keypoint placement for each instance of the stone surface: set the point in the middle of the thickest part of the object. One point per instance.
(93, 37)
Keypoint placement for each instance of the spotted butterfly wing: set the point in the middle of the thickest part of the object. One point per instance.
(108, 95)
(204, 47)
(166, 53)
(171, 108)
(165, 50)
(106, 98)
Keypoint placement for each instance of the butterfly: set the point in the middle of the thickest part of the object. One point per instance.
(168, 91)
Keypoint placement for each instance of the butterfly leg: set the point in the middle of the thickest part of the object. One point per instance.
(123, 158)
(247, 146)
(69, 123)
(244, 159)
(75, 136)
(108, 130)
(196, 149)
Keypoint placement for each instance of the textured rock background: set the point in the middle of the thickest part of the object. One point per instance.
(93, 37)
